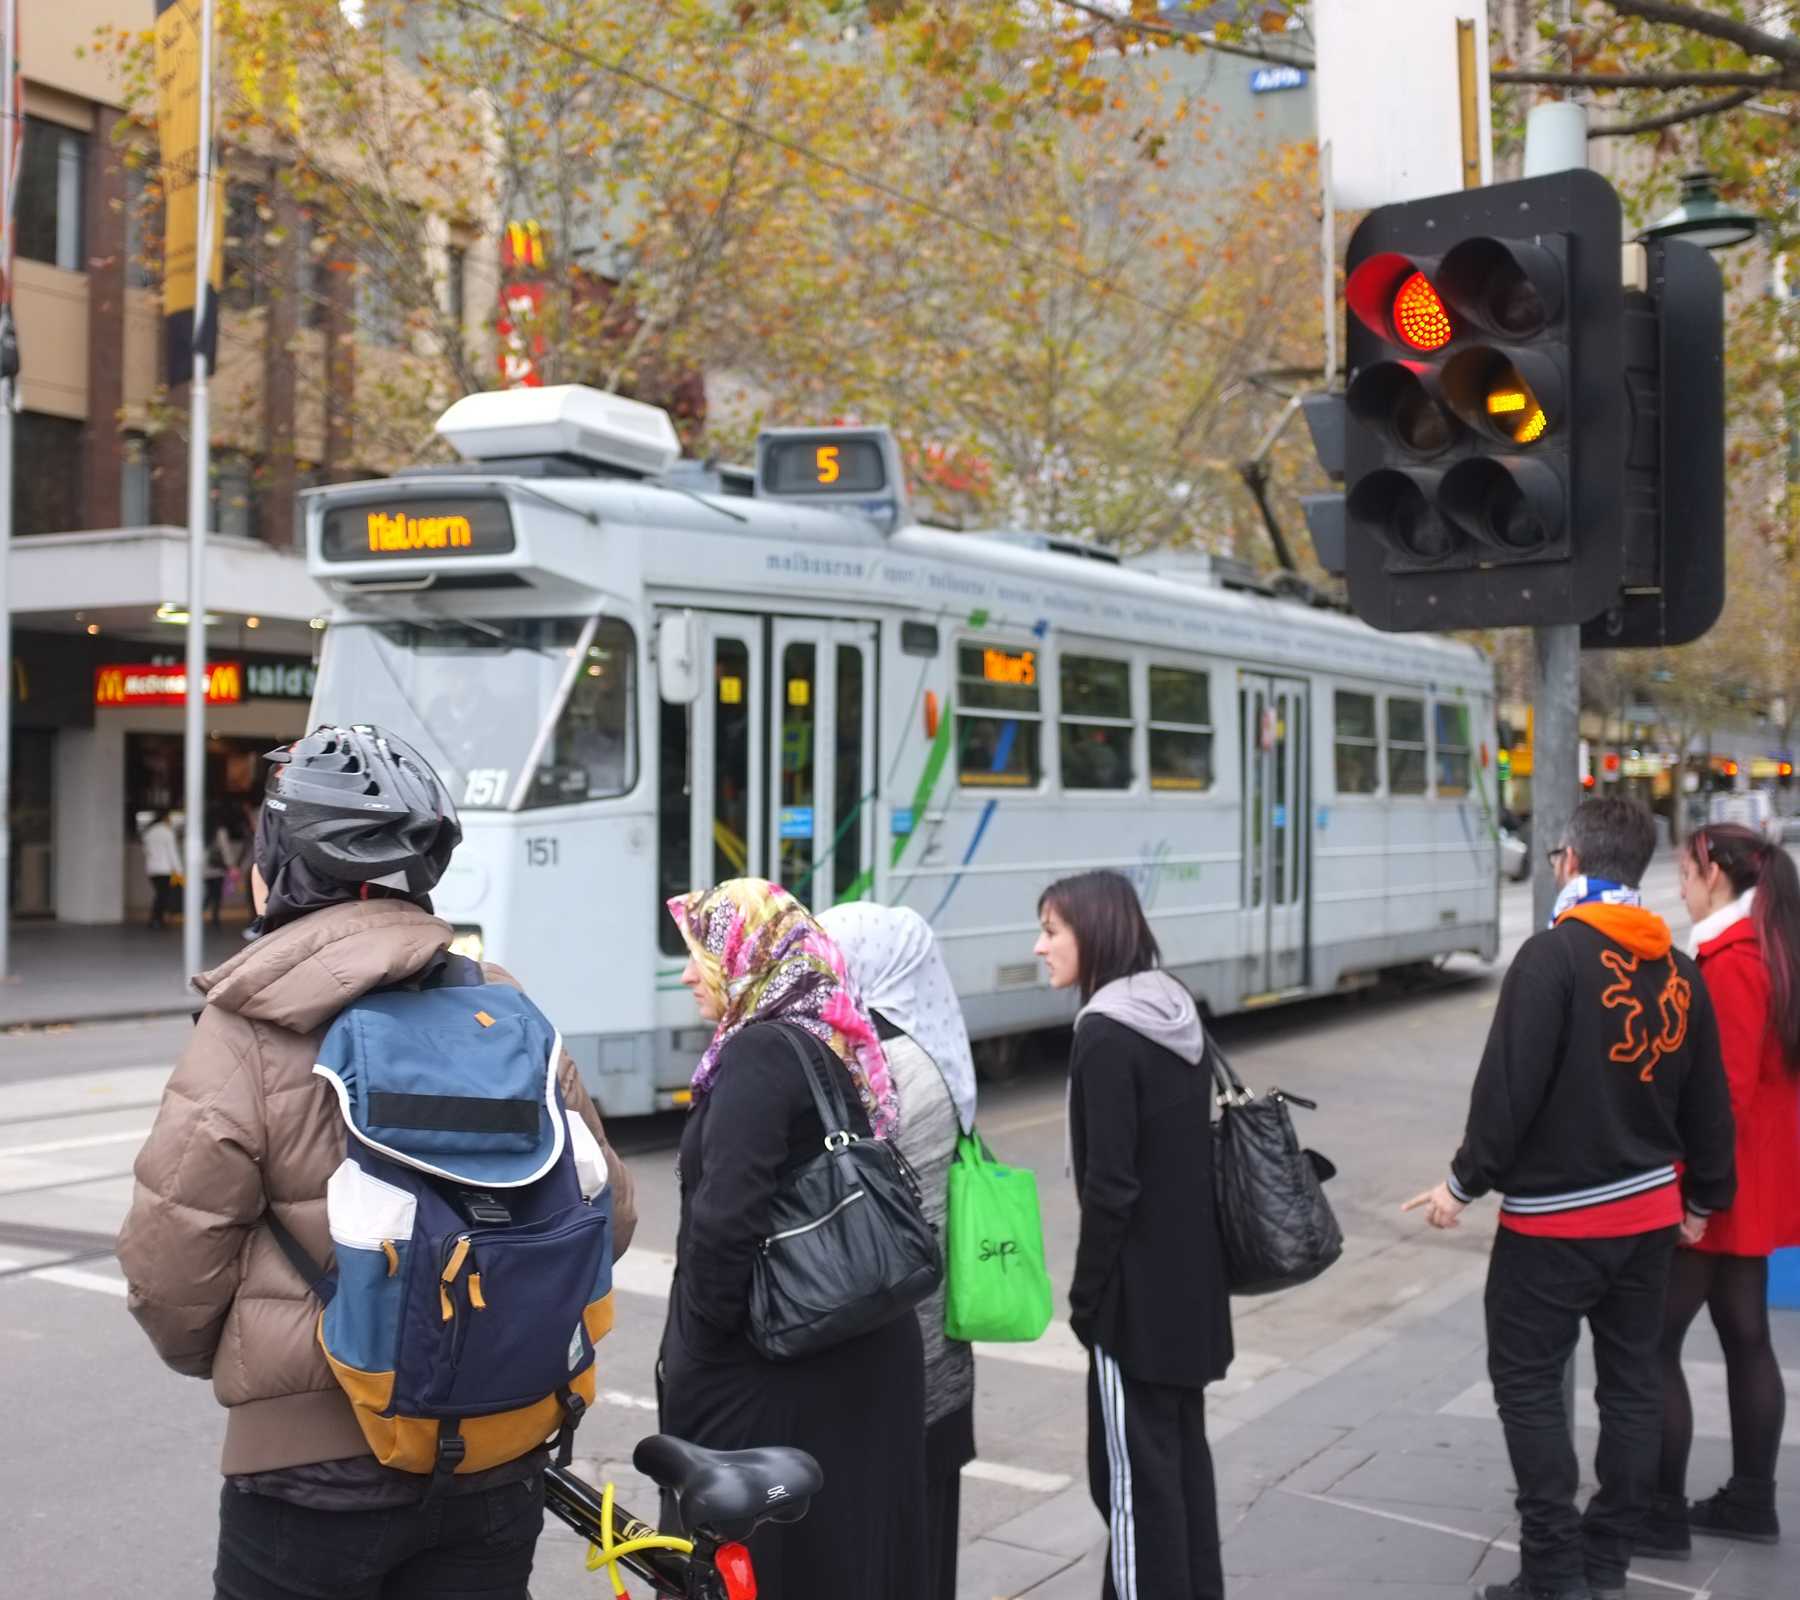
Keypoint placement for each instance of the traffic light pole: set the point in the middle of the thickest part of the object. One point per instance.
(1555, 141)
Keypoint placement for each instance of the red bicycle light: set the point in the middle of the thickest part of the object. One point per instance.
(732, 1563)
(1419, 315)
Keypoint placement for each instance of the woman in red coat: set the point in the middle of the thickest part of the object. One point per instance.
(1744, 896)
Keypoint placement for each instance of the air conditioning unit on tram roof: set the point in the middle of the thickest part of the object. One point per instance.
(570, 421)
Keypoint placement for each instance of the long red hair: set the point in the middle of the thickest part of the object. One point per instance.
(1750, 862)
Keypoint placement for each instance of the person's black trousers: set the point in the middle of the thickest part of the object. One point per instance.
(162, 898)
(1151, 1474)
(474, 1546)
(1538, 1292)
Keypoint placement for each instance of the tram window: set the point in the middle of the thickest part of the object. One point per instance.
(1452, 727)
(731, 760)
(852, 782)
(1095, 735)
(593, 752)
(1358, 750)
(1181, 735)
(1406, 746)
(797, 824)
(997, 717)
(673, 823)
(918, 639)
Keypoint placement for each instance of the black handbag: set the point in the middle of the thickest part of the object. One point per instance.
(849, 1247)
(1275, 1223)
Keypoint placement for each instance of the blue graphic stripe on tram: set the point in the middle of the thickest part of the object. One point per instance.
(987, 816)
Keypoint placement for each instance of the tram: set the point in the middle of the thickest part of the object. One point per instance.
(640, 674)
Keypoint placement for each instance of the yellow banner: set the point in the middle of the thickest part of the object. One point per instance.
(178, 131)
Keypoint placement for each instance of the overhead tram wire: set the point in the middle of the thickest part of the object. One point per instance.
(1009, 242)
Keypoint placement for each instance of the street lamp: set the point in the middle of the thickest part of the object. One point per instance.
(1702, 218)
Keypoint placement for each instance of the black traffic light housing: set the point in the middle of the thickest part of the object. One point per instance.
(1674, 578)
(1486, 438)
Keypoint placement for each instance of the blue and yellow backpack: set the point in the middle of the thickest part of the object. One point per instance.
(471, 1225)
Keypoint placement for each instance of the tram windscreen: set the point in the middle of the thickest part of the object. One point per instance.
(483, 699)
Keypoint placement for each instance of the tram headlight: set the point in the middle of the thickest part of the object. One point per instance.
(468, 942)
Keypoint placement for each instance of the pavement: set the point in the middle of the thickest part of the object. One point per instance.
(54, 967)
(1356, 1448)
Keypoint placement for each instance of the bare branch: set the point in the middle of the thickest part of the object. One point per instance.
(1746, 36)
(1163, 30)
(1691, 112)
(1674, 79)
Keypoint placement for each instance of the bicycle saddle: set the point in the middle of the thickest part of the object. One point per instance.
(728, 1493)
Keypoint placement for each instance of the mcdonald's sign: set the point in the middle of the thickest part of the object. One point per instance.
(135, 684)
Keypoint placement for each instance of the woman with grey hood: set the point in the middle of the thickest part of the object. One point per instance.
(895, 964)
(1149, 1299)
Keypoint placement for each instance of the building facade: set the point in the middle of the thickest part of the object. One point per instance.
(97, 579)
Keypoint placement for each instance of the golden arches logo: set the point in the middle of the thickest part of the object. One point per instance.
(109, 686)
(224, 683)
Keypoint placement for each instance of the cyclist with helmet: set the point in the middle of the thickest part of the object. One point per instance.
(355, 831)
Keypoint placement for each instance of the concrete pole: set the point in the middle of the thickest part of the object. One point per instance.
(199, 440)
(9, 132)
(1555, 141)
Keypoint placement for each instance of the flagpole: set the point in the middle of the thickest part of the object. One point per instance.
(9, 146)
(199, 443)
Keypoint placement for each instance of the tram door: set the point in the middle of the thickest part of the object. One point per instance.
(1273, 741)
(822, 773)
(725, 814)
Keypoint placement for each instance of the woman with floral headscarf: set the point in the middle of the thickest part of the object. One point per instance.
(756, 957)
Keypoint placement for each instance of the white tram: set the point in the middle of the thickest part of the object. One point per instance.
(639, 675)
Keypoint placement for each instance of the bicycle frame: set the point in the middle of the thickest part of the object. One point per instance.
(677, 1568)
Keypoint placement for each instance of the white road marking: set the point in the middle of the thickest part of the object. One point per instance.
(1706, 1381)
(75, 1278)
(1473, 1538)
(1017, 1477)
(68, 1277)
(987, 1471)
(86, 1142)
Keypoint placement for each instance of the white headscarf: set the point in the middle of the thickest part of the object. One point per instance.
(895, 965)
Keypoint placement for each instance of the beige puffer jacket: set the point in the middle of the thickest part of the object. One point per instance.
(244, 1127)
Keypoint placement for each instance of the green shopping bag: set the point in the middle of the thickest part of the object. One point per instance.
(997, 1288)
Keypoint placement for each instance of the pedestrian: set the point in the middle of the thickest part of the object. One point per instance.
(1744, 897)
(162, 865)
(897, 969)
(756, 957)
(246, 1133)
(1600, 1112)
(224, 852)
(1149, 1299)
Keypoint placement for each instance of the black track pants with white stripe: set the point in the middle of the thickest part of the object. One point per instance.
(1151, 1475)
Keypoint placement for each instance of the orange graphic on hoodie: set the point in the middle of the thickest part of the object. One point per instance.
(1672, 1003)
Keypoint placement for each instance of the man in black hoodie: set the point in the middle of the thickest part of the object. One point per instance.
(1600, 1111)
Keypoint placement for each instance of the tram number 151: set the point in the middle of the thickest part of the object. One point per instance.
(541, 852)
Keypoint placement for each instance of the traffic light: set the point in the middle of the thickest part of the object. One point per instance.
(1673, 583)
(1485, 448)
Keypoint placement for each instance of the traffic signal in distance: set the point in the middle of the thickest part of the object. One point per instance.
(1485, 446)
(1674, 579)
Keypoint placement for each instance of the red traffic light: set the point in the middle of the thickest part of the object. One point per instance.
(1419, 315)
(1394, 298)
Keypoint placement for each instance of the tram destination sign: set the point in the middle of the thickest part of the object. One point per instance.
(823, 464)
(415, 527)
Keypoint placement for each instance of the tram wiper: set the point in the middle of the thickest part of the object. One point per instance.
(700, 499)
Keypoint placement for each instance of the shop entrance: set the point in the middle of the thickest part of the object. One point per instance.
(31, 798)
(153, 785)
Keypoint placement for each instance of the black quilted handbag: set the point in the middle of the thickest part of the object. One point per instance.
(849, 1246)
(1274, 1220)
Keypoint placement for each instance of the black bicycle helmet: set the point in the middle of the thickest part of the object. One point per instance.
(357, 805)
